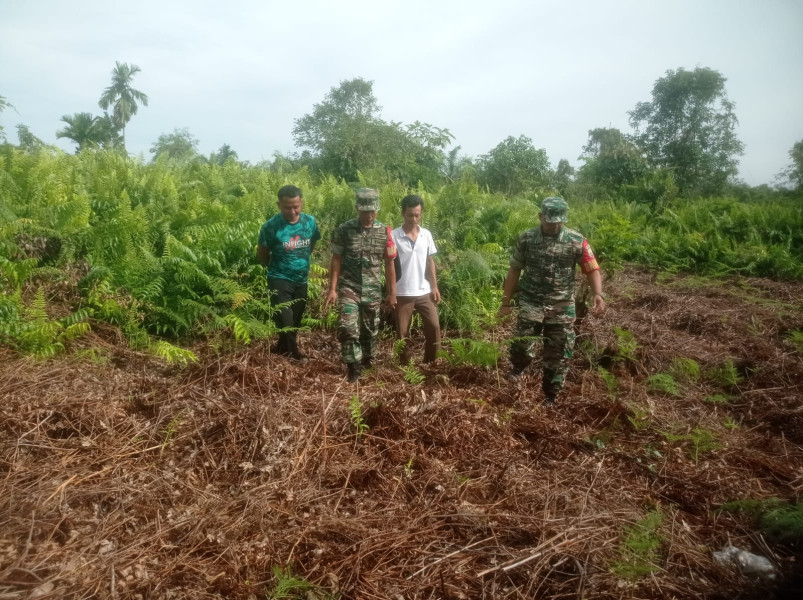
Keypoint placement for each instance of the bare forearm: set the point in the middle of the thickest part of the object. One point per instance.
(511, 282)
(595, 282)
(432, 272)
(334, 270)
(390, 276)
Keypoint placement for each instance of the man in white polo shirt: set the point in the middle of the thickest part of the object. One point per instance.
(417, 282)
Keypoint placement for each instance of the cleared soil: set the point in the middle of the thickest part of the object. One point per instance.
(121, 477)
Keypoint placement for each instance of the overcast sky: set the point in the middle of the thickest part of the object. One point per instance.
(240, 72)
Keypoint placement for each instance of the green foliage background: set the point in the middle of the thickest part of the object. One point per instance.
(168, 248)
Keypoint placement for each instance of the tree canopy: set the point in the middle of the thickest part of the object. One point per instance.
(793, 174)
(223, 153)
(514, 166)
(87, 130)
(611, 160)
(345, 134)
(689, 127)
(180, 146)
(28, 141)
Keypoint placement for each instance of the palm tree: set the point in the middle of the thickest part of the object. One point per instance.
(121, 96)
(454, 164)
(85, 130)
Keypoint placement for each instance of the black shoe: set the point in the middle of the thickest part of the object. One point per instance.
(367, 362)
(515, 374)
(550, 400)
(354, 372)
(298, 358)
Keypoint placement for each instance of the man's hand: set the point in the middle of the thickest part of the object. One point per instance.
(599, 305)
(436, 295)
(505, 311)
(391, 300)
(331, 299)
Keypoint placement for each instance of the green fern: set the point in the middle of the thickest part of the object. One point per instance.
(240, 329)
(727, 376)
(288, 586)
(398, 349)
(173, 354)
(663, 382)
(610, 381)
(468, 351)
(639, 550)
(686, 370)
(412, 375)
(626, 345)
(355, 411)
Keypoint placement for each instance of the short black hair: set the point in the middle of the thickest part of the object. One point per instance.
(289, 191)
(411, 201)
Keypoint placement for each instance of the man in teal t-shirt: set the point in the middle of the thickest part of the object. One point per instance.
(285, 245)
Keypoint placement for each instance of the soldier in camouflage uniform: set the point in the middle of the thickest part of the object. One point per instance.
(543, 265)
(359, 249)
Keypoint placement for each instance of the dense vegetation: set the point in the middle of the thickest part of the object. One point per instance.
(166, 248)
(686, 391)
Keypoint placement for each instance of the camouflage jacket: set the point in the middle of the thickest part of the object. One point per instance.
(549, 262)
(363, 252)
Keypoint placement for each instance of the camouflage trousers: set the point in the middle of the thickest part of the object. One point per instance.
(555, 325)
(357, 327)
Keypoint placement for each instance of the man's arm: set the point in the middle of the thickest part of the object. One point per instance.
(334, 275)
(432, 277)
(511, 281)
(263, 254)
(589, 266)
(390, 281)
(595, 282)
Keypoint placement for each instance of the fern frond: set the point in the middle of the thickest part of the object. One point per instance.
(82, 314)
(241, 333)
(173, 354)
(74, 331)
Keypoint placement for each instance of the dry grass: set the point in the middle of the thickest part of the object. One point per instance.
(130, 479)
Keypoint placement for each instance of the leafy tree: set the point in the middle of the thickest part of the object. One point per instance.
(222, 155)
(513, 166)
(342, 130)
(122, 96)
(688, 127)
(793, 174)
(562, 176)
(611, 160)
(88, 130)
(412, 153)
(28, 142)
(180, 146)
(344, 134)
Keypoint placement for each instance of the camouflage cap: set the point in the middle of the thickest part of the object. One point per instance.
(367, 199)
(555, 210)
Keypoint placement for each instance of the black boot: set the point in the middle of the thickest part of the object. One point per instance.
(367, 362)
(549, 387)
(354, 372)
(515, 373)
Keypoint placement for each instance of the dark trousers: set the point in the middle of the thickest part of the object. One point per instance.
(283, 291)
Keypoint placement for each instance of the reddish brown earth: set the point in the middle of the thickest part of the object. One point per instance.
(125, 478)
